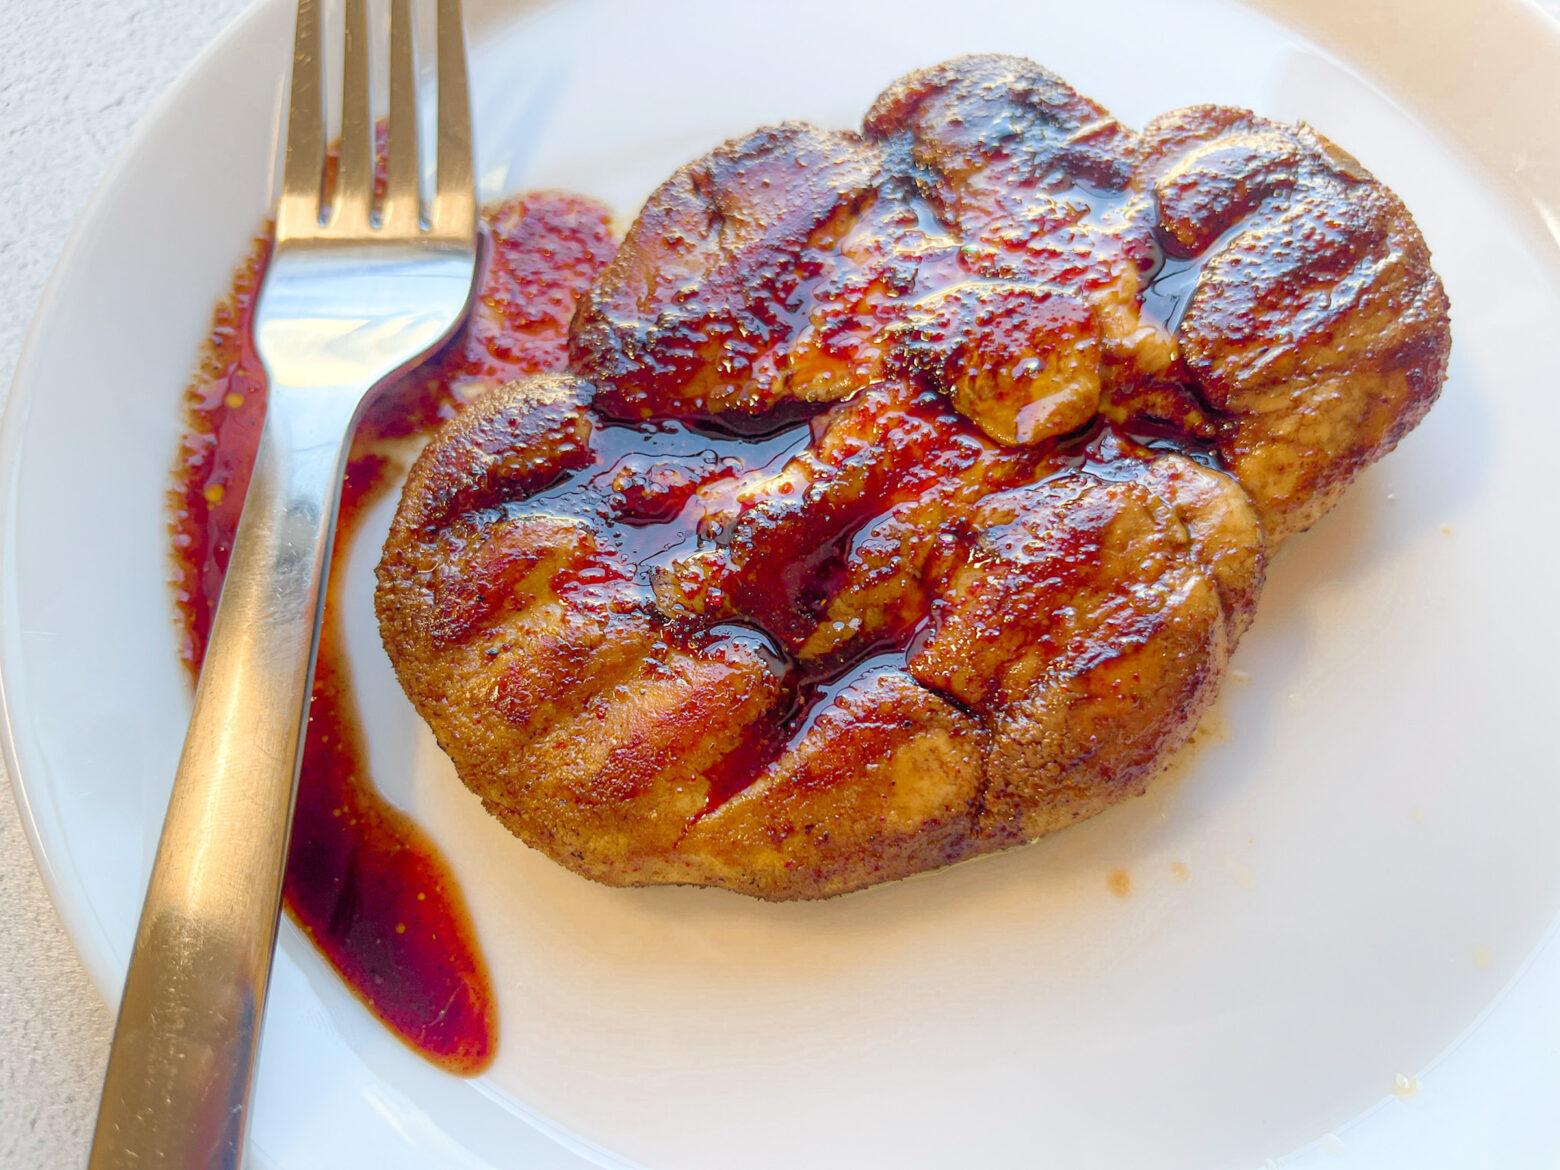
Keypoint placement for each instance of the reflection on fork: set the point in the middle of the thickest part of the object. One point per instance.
(355, 292)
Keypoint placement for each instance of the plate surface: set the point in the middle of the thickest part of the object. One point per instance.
(1365, 827)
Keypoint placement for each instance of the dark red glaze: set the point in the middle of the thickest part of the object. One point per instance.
(224, 406)
(792, 514)
(369, 888)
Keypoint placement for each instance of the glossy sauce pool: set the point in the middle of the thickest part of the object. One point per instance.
(369, 888)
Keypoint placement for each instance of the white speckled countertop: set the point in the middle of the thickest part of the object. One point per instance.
(75, 78)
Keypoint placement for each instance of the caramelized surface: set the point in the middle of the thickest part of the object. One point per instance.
(1317, 330)
(909, 488)
(808, 671)
(984, 201)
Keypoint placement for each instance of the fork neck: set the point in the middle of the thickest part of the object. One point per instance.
(177, 1083)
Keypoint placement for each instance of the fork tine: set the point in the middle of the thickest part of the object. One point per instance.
(355, 178)
(455, 202)
(401, 204)
(303, 173)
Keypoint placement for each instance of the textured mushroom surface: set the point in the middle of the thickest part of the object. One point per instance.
(910, 488)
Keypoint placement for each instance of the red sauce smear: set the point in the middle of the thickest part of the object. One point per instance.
(371, 889)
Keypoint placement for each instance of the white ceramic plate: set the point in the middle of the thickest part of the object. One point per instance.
(1369, 841)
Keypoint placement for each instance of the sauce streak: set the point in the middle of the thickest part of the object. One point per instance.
(369, 888)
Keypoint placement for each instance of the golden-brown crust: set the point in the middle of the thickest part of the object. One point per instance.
(968, 598)
(1089, 623)
(698, 302)
(555, 690)
(782, 267)
(884, 783)
(973, 114)
(1020, 361)
(1317, 328)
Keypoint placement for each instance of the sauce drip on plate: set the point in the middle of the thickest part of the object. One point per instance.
(364, 883)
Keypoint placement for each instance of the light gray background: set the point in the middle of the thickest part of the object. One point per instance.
(75, 78)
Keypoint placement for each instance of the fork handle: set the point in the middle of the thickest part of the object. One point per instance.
(177, 1088)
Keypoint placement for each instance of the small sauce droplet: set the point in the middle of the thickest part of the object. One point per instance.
(1482, 959)
(1119, 882)
(1242, 874)
(1213, 728)
(1404, 1085)
(1179, 871)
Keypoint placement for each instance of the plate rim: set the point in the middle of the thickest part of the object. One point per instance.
(13, 424)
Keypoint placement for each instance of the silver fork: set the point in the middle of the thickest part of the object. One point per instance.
(349, 298)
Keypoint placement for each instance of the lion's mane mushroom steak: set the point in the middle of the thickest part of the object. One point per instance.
(910, 489)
